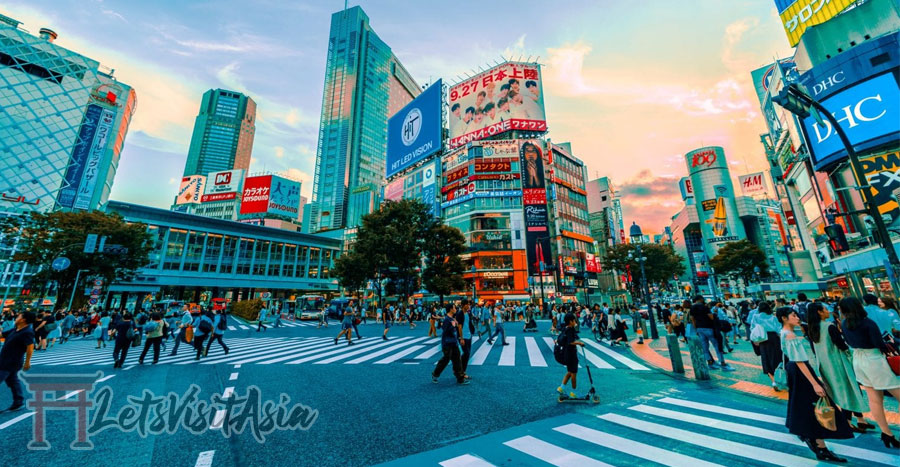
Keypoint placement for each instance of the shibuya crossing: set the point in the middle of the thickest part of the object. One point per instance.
(472, 234)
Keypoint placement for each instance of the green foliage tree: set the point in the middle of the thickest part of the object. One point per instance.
(352, 270)
(43, 237)
(443, 266)
(661, 265)
(739, 259)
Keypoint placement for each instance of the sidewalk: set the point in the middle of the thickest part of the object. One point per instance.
(747, 377)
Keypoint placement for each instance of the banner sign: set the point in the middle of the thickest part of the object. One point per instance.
(394, 190)
(534, 200)
(497, 164)
(255, 198)
(592, 263)
(80, 152)
(882, 173)
(284, 197)
(222, 186)
(798, 15)
(92, 165)
(752, 184)
(191, 189)
(505, 98)
(414, 132)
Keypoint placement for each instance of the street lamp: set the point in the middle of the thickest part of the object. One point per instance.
(637, 237)
(801, 104)
(474, 286)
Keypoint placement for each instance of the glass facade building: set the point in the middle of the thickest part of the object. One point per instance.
(223, 133)
(364, 85)
(569, 217)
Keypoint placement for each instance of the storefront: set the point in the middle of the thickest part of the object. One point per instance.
(865, 271)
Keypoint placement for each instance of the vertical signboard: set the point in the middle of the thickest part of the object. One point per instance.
(255, 197)
(95, 157)
(534, 200)
(428, 188)
(80, 153)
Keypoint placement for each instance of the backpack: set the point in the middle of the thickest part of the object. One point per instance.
(559, 349)
(801, 310)
(222, 324)
(205, 326)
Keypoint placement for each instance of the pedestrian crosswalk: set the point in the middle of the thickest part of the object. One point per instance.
(674, 431)
(521, 351)
(239, 325)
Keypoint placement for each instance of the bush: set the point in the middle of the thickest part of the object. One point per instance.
(248, 309)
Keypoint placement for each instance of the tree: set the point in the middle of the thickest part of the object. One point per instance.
(43, 237)
(739, 260)
(352, 270)
(661, 265)
(443, 266)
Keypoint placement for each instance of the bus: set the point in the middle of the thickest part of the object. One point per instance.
(311, 306)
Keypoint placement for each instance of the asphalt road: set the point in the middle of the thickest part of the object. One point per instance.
(374, 401)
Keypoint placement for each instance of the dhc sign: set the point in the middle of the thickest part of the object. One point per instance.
(869, 112)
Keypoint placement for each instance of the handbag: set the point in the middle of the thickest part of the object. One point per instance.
(780, 376)
(825, 414)
(136, 342)
(893, 359)
(188, 334)
(758, 334)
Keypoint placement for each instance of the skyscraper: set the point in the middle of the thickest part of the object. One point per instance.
(63, 122)
(223, 133)
(364, 85)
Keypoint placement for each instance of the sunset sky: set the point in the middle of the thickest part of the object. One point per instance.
(632, 85)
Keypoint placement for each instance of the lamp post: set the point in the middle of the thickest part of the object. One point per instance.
(796, 101)
(637, 237)
(474, 285)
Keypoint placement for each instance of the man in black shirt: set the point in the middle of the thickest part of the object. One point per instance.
(450, 345)
(19, 344)
(704, 326)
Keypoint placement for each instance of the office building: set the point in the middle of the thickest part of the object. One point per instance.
(365, 84)
(223, 133)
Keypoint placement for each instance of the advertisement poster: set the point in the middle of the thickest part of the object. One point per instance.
(504, 98)
(712, 186)
(284, 197)
(255, 198)
(394, 190)
(414, 132)
(80, 152)
(221, 186)
(92, 165)
(882, 172)
(798, 15)
(191, 189)
(753, 184)
(534, 199)
(429, 195)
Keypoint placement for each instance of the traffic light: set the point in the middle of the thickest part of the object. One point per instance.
(836, 238)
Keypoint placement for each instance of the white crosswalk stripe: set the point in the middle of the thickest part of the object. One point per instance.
(264, 349)
(652, 432)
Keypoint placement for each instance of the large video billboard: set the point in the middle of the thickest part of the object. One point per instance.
(414, 132)
(191, 189)
(534, 201)
(222, 186)
(505, 98)
(797, 15)
(869, 112)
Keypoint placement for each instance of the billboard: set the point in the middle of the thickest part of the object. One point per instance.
(91, 171)
(798, 15)
(752, 184)
(394, 190)
(79, 157)
(882, 174)
(222, 186)
(592, 263)
(717, 209)
(191, 189)
(869, 112)
(687, 191)
(534, 200)
(429, 194)
(255, 197)
(414, 132)
(507, 97)
(284, 197)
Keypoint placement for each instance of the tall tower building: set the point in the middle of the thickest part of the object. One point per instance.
(364, 85)
(63, 122)
(223, 133)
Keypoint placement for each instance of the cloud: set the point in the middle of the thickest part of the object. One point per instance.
(645, 183)
(114, 14)
(172, 181)
(279, 152)
(567, 69)
(650, 200)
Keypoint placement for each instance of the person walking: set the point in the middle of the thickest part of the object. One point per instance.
(804, 389)
(386, 317)
(466, 329)
(346, 326)
(485, 319)
(834, 366)
(203, 327)
(620, 324)
(872, 370)
(276, 324)
(704, 324)
(220, 324)
(498, 327)
(183, 325)
(124, 334)
(100, 331)
(15, 355)
(357, 311)
(768, 350)
(432, 323)
(450, 344)
(154, 330)
(263, 314)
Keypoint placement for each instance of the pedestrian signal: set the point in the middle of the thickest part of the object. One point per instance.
(836, 238)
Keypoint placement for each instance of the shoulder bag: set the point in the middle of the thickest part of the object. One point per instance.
(825, 414)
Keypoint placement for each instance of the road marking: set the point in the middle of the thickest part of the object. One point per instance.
(766, 434)
(16, 420)
(430, 353)
(621, 358)
(508, 355)
(481, 354)
(597, 361)
(466, 460)
(534, 353)
(205, 459)
(106, 378)
(401, 354)
(724, 410)
(309, 347)
(232, 377)
(129, 367)
(232, 328)
(634, 448)
(349, 351)
(238, 365)
(552, 454)
(710, 442)
(219, 418)
(377, 354)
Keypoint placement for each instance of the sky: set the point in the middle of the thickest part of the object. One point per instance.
(633, 85)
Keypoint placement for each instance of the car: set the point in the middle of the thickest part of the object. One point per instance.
(310, 315)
